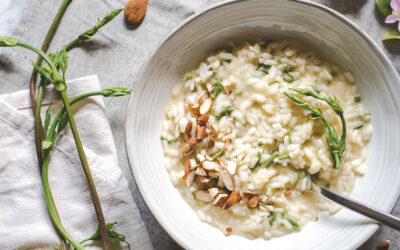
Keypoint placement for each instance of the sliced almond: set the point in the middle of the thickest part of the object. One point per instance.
(211, 166)
(201, 132)
(187, 170)
(228, 89)
(201, 180)
(195, 110)
(206, 106)
(200, 157)
(202, 120)
(220, 182)
(213, 127)
(253, 201)
(213, 191)
(228, 230)
(210, 141)
(184, 147)
(182, 124)
(227, 179)
(192, 141)
(288, 192)
(201, 171)
(188, 128)
(193, 164)
(233, 198)
(220, 200)
(213, 174)
(190, 178)
(204, 196)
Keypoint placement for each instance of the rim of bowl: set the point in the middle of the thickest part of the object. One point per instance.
(355, 27)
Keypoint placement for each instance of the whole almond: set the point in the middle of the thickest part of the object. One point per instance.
(201, 133)
(202, 120)
(135, 11)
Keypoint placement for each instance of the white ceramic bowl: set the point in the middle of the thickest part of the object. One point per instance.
(190, 43)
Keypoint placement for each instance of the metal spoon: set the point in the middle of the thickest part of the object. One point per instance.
(373, 213)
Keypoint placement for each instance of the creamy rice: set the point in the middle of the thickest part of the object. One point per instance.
(250, 121)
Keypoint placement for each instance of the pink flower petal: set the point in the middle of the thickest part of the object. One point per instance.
(395, 4)
(391, 18)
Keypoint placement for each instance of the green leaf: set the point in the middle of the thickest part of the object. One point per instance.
(47, 120)
(113, 236)
(62, 123)
(217, 155)
(290, 133)
(63, 60)
(92, 31)
(299, 177)
(384, 7)
(217, 88)
(295, 225)
(47, 145)
(357, 98)
(270, 159)
(289, 68)
(226, 111)
(358, 125)
(287, 77)
(43, 72)
(272, 218)
(264, 68)
(115, 91)
(8, 41)
(391, 34)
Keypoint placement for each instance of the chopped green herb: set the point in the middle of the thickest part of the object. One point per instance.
(259, 144)
(289, 68)
(194, 195)
(367, 114)
(270, 159)
(289, 133)
(295, 225)
(357, 98)
(272, 218)
(257, 166)
(226, 111)
(263, 67)
(283, 157)
(189, 77)
(287, 77)
(210, 69)
(299, 177)
(327, 185)
(239, 93)
(274, 190)
(217, 88)
(358, 125)
(217, 155)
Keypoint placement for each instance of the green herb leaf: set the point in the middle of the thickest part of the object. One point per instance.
(259, 144)
(357, 98)
(263, 67)
(217, 155)
(43, 72)
(47, 145)
(257, 166)
(270, 159)
(62, 123)
(295, 225)
(115, 91)
(8, 41)
(384, 7)
(287, 77)
(92, 31)
(194, 195)
(391, 34)
(358, 125)
(226, 111)
(217, 88)
(47, 120)
(63, 61)
(299, 177)
(113, 236)
(289, 133)
(189, 77)
(272, 218)
(289, 68)
(283, 157)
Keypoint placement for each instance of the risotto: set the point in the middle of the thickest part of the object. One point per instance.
(244, 131)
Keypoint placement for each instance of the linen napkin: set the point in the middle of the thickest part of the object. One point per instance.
(24, 220)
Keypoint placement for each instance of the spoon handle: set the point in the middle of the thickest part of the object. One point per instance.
(373, 213)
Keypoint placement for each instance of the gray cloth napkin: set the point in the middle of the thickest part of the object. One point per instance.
(24, 220)
(118, 52)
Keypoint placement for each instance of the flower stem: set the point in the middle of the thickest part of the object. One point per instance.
(85, 164)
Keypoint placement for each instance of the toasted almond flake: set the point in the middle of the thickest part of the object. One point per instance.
(200, 96)
(195, 110)
(213, 127)
(200, 157)
(231, 200)
(184, 147)
(190, 178)
(227, 179)
(182, 124)
(192, 141)
(253, 201)
(288, 192)
(228, 89)
(187, 170)
(206, 106)
(228, 230)
(202, 120)
(201, 132)
(210, 141)
(193, 164)
(220, 200)
(213, 174)
(200, 171)
(200, 180)
(213, 191)
(204, 196)
(188, 128)
(210, 166)
(220, 182)
(248, 194)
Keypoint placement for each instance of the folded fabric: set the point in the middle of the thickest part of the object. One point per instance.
(24, 220)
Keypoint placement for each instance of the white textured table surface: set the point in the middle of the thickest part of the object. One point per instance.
(363, 12)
